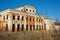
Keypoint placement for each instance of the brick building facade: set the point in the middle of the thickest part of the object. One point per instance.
(21, 19)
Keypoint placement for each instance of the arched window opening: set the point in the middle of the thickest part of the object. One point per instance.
(18, 27)
(13, 27)
(37, 27)
(30, 27)
(33, 27)
(6, 27)
(27, 27)
(22, 27)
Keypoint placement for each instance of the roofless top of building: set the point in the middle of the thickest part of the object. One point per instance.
(27, 8)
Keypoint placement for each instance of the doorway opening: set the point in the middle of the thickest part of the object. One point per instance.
(18, 27)
(13, 27)
(30, 27)
(22, 27)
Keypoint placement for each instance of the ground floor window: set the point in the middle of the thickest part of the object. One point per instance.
(22, 27)
(44, 26)
(30, 27)
(33, 27)
(13, 27)
(6, 27)
(37, 27)
(27, 27)
(18, 27)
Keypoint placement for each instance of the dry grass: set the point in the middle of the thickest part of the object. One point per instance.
(29, 35)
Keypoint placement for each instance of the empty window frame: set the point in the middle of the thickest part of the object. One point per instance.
(33, 19)
(26, 18)
(18, 27)
(3, 17)
(13, 27)
(30, 10)
(30, 27)
(33, 10)
(22, 18)
(18, 18)
(13, 17)
(26, 9)
(37, 27)
(44, 26)
(27, 27)
(7, 17)
(6, 27)
(22, 27)
(36, 19)
(30, 19)
(33, 27)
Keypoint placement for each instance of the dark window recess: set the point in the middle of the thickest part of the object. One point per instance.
(13, 27)
(26, 9)
(22, 18)
(33, 10)
(4, 17)
(30, 10)
(37, 27)
(30, 27)
(33, 27)
(33, 19)
(18, 17)
(13, 17)
(27, 27)
(37, 19)
(30, 19)
(40, 27)
(18, 27)
(26, 18)
(7, 17)
(6, 27)
(22, 27)
(44, 26)
(21, 10)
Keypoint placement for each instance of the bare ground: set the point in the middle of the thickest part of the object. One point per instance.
(30, 35)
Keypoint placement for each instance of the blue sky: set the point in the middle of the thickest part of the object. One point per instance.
(49, 8)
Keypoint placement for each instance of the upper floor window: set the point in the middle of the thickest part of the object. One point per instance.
(13, 17)
(41, 20)
(37, 19)
(4, 17)
(30, 19)
(7, 17)
(33, 19)
(18, 17)
(33, 10)
(21, 10)
(30, 10)
(22, 17)
(26, 9)
(26, 18)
